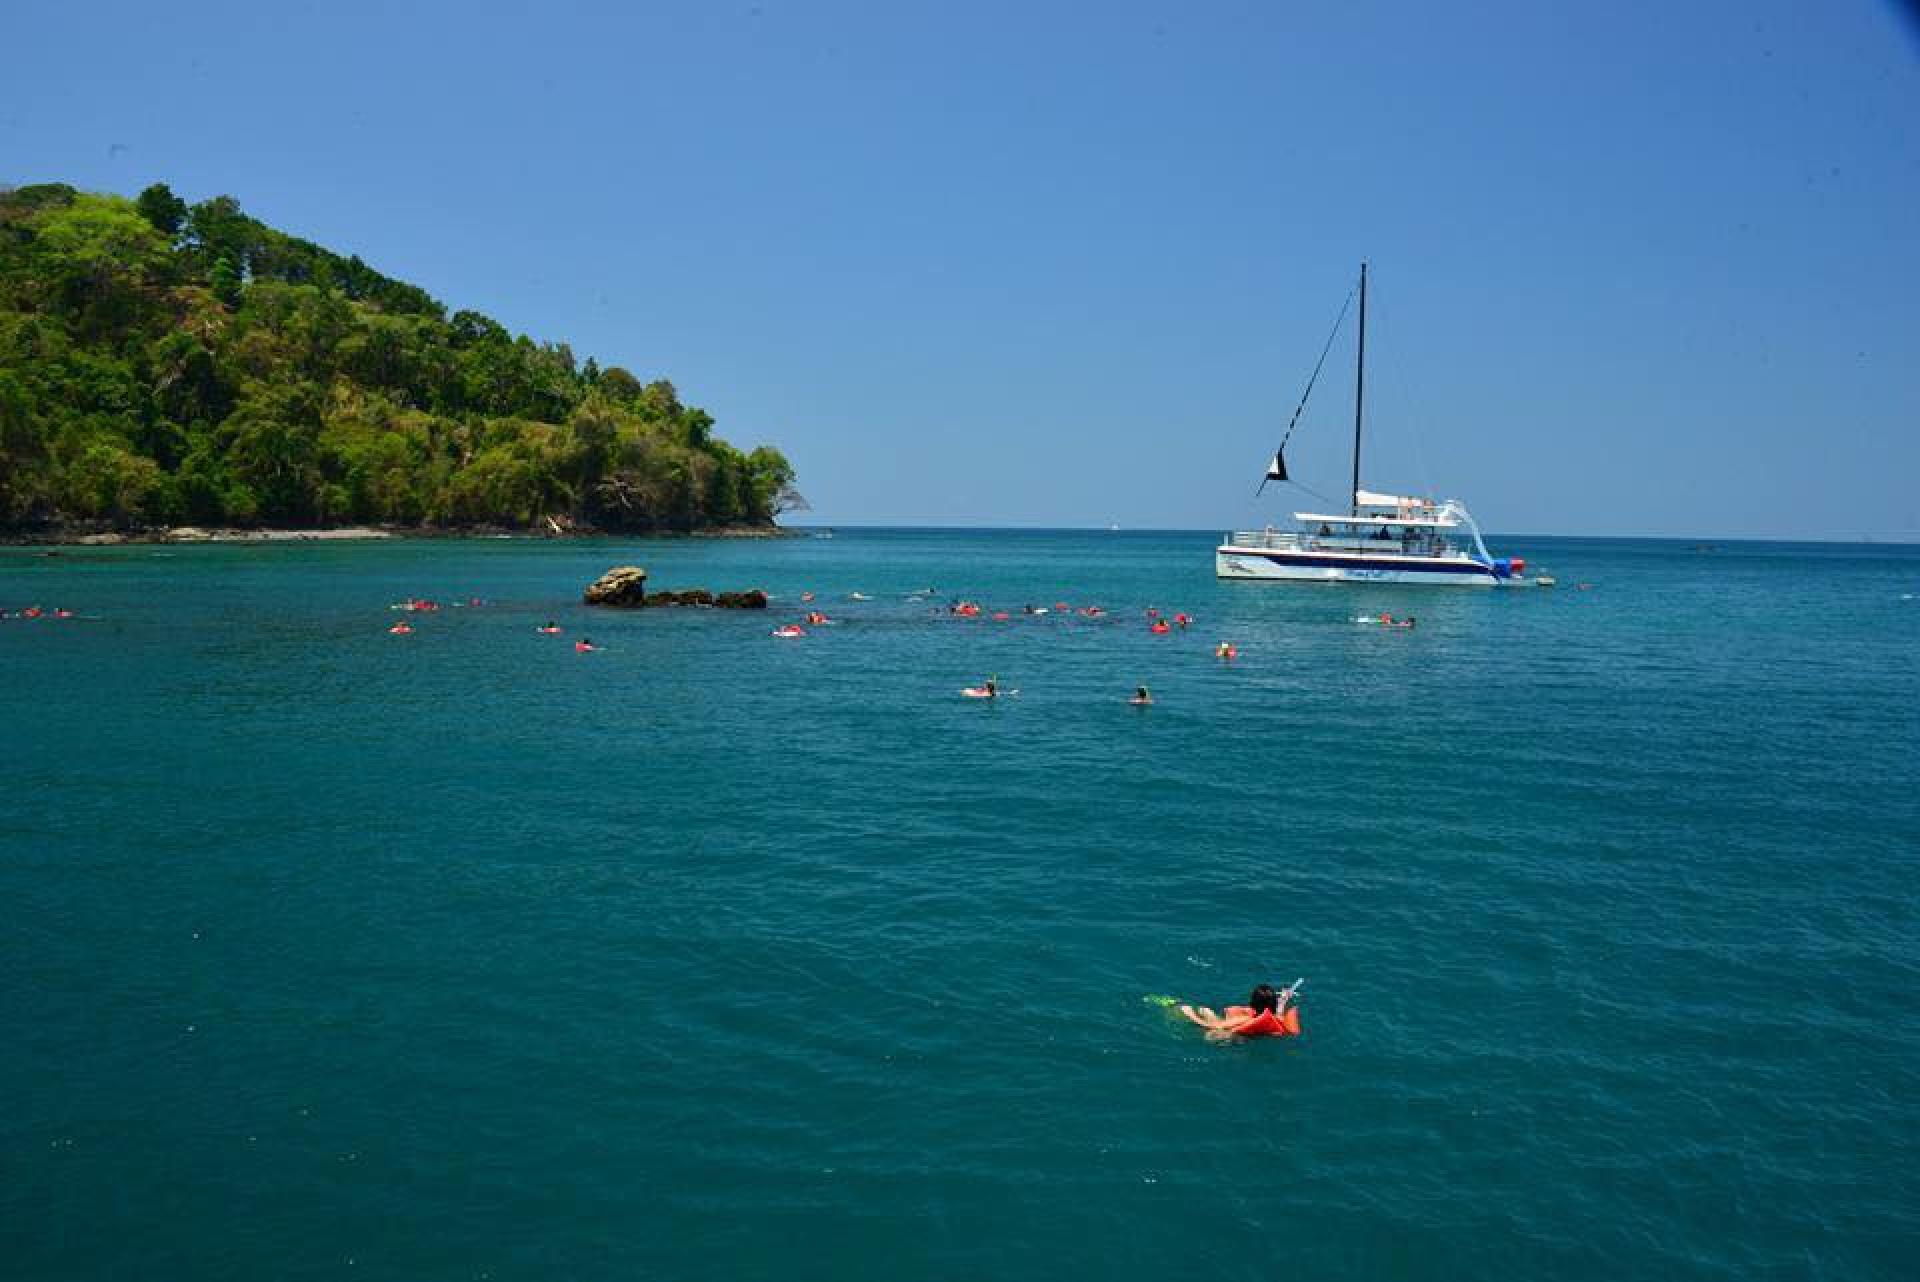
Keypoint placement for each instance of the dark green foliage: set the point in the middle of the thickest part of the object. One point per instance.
(166, 211)
(224, 280)
(166, 363)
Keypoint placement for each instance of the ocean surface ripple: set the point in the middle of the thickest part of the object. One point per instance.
(463, 955)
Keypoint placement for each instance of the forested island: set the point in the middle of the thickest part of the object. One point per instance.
(164, 363)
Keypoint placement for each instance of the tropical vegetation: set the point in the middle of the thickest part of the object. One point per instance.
(164, 363)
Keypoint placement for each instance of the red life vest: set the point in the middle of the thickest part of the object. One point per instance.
(1266, 1024)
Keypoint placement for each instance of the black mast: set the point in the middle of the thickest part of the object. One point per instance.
(1359, 388)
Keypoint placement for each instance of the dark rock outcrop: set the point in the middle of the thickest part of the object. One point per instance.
(624, 585)
(688, 596)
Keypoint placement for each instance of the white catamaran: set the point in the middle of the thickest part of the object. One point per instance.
(1385, 538)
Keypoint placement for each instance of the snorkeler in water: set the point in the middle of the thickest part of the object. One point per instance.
(1266, 1014)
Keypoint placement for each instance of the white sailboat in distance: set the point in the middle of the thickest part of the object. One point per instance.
(1383, 538)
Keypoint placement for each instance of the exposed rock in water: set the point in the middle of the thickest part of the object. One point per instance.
(689, 596)
(623, 585)
(626, 585)
(700, 597)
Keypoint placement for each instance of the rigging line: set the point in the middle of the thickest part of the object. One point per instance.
(1310, 492)
(1313, 493)
(1312, 379)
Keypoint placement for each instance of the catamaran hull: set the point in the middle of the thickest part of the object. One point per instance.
(1308, 567)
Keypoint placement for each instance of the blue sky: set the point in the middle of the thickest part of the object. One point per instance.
(1638, 268)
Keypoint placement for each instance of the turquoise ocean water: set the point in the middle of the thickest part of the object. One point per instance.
(330, 953)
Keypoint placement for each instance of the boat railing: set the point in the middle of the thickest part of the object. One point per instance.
(1271, 540)
(1291, 540)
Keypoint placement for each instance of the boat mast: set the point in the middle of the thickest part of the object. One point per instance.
(1359, 388)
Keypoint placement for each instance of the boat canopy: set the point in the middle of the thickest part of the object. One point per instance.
(1370, 498)
(1435, 519)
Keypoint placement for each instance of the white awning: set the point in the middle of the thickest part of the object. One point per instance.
(1432, 520)
(1369, 498)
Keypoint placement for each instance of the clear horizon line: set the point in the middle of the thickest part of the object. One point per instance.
(1862, 537)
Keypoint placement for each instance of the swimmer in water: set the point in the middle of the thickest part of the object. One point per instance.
(1141, 698)
(1264, 999)
(1225, 650)
(992, 687)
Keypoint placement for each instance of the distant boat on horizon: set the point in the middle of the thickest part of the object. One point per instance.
(1383, 538)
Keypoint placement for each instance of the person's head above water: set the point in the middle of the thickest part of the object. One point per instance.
(1264, 998)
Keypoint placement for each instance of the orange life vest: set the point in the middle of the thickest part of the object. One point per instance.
(1267, 1024)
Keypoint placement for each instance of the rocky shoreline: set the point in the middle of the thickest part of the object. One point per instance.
(94, 536)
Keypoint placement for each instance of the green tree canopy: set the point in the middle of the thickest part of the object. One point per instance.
(161, 362)
(166, 211)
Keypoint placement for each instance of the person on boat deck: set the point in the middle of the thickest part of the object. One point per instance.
(1383, 533)
(1221, 1027)
(1324, 531)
